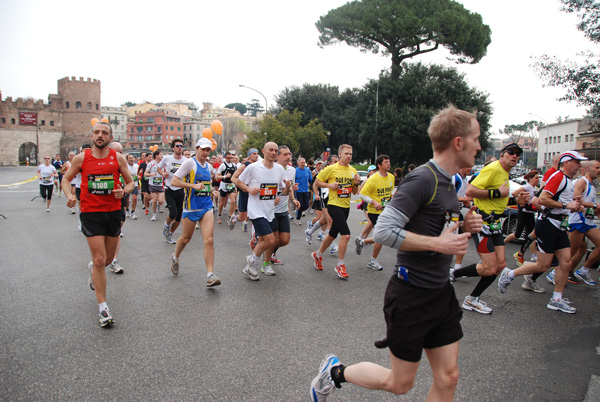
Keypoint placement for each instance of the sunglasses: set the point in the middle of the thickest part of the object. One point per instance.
(178, 146)
(511, 152)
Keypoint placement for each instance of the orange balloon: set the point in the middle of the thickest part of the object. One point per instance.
(207, 133)
(217, 127)
(214, 143)
(151, 148)
(156, 147)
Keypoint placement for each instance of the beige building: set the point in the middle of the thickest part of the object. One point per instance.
(117, 116)
(571, 135)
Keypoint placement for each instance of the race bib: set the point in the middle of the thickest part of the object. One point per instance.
(230, 187)
(174, 167)
(205, 192)
(47, 179)
(589, 213)
(344, 190)
(385, 201)
(156, 181)
(564, 223)
(101, 184)
(268, 191)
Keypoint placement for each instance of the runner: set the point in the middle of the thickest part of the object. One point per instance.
(551, 229)
(226, 187)
(133, 171)
(144, 159)
(303, 179)
(46, 173)
(101, 196)
(194, 176)
(114, 266)
(66, 167)
(262, 181)
(420, 306)
(155, 183)
(243, 195)
(377, 193)
(173, 194)
(58, 165)
(344, 181)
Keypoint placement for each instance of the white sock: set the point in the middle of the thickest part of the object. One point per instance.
(314, 228)
(102, 306)
(319, 254)
(584, 270)
(254, 258)
(557, 296)
(115, 260)
(208, 274)
(340, 262)
(511, 274)
(457, 266)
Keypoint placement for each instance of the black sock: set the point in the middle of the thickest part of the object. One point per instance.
(469, 270)
(527, 243)
(535, 276)
(337, 375)
(483, 284)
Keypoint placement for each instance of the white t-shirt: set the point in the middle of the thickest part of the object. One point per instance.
(133, 172)
(290, 174)
(77, 180)
(46, 175)
(156, 180)
(221, 170)
(171, 164)
(269, 181)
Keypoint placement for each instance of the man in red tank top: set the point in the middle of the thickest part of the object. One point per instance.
(101, 194)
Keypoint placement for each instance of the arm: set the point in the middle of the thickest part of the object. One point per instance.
(70, 175)
(124, 170)
(356, 184)
(476, 192)
(546, 200)
(235, 179)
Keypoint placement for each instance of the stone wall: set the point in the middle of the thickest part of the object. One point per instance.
(11, 141)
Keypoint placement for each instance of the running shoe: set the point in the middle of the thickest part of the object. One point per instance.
(160, 209)
(253, 241)
(504, 280)
(550, 276)
(451, 275)
(105, 318)
(73, 212)
(219, 220)
(90, 280)
(585, 277)
(320, 236)
(170, 239)
(174, 265)
(127, 214)
(561, 305)
(374, 265)
(519, 259)
(317, 261)
(267, 269)
(133, 216)
(533, 258)
(245, 226)
(212, 280)
(115, 267)
(311, 211)
(333, 249)
(309, 224)
(166, 230)
(322, 385)
(474, 304)
(146, 212)
(291, 217)
(153, 217)
(308, 237)
(250, 269)
(359, 243)
(231, 222)
(340, 270)
(47, 209)
(573, 279)
(529, 284)
(275, 261)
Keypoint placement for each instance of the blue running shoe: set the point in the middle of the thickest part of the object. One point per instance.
(322, 385)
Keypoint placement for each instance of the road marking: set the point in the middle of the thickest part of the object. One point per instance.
(19, 183)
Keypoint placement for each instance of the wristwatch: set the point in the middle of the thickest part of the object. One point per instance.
(564, 205)
(595, 205)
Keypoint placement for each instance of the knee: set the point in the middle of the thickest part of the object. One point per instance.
(487, 269)
(399, 386)
(345, 238)
(272, 242)
(208, 241)
(283, 242)
(448, 379)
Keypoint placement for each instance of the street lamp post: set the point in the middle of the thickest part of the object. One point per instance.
(266, 106)
(547, 158)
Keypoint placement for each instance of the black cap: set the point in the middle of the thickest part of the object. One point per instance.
(512, 146)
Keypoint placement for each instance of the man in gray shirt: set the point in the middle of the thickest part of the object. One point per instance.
(420, 306)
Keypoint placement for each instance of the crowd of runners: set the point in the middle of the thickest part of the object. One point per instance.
(419, 215)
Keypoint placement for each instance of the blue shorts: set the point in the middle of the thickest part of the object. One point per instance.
(580, 227)
(242, 201)
(262, 227)
(195, 216)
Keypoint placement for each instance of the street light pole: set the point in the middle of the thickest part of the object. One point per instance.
(266, 106)
(547, 159)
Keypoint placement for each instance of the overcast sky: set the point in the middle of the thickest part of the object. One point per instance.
(162, 51)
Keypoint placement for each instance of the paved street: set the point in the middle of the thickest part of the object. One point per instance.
(246, 341)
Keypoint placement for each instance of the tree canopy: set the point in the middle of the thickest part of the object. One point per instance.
(240, 107)
(405, 28)
(580, 80)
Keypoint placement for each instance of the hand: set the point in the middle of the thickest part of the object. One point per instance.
(450, 243)
(524, 197)
(357, 179)
(277, 199)
(317, 197)
(165, 174)
(296, 203)
(376, 205)
(118, 191)
(254, 190)
(295, 187)
(71, 200)
(504, 189)
(198, 186)
(334, 185)
(473, 222)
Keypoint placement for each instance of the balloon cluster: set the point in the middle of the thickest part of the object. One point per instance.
(217, 127)
(95, 121)
(153, 148)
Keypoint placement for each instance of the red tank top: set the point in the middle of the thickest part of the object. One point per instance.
(98, 179)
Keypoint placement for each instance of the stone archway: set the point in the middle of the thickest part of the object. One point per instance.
(28, 149)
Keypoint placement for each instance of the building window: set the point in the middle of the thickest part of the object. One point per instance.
(12, 121)
(178, 128)
(67, 104)
(559, 139)
(3, 120)
(96, 106)
(78, 105)
(566, 137)
(52, 123)
(545, 140)
(89, 105)
(571, 137)
(159, 128)
(43, 123)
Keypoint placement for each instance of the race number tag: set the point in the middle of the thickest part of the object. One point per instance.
(230, 187)
(157, 181)
(589, 213)
(174, 167)
(101, 184)
(496, 227)
(344, 190)
(205, 192)
(385, 201)
(47, 179)
(268, 191)
(564, 223)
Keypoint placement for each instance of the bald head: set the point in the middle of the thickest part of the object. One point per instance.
(116, 146)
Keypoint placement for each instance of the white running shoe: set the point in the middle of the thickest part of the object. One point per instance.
(153, 217)
(322, 385)
(474, 304)
(250, 269)
(133, 216)
(90, 280)
(116, 268)
(374, 265)
(529, 284)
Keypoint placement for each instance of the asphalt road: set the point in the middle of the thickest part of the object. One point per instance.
(176, 340)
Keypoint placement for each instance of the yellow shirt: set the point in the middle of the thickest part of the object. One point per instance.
(344, 175)
(378, 188)
(491, 177)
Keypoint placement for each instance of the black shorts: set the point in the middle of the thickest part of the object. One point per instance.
(101, 223)
(419, 318)
(242, 201)
(225, 194)
(78, 192)
(174, 199)
(46, 191)
(281, 222)
(549, 238)
(486, 244)
(373, 218)
(317, 205)
(525, 220)
(262, 227)
(339, 216)
(145, 188)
